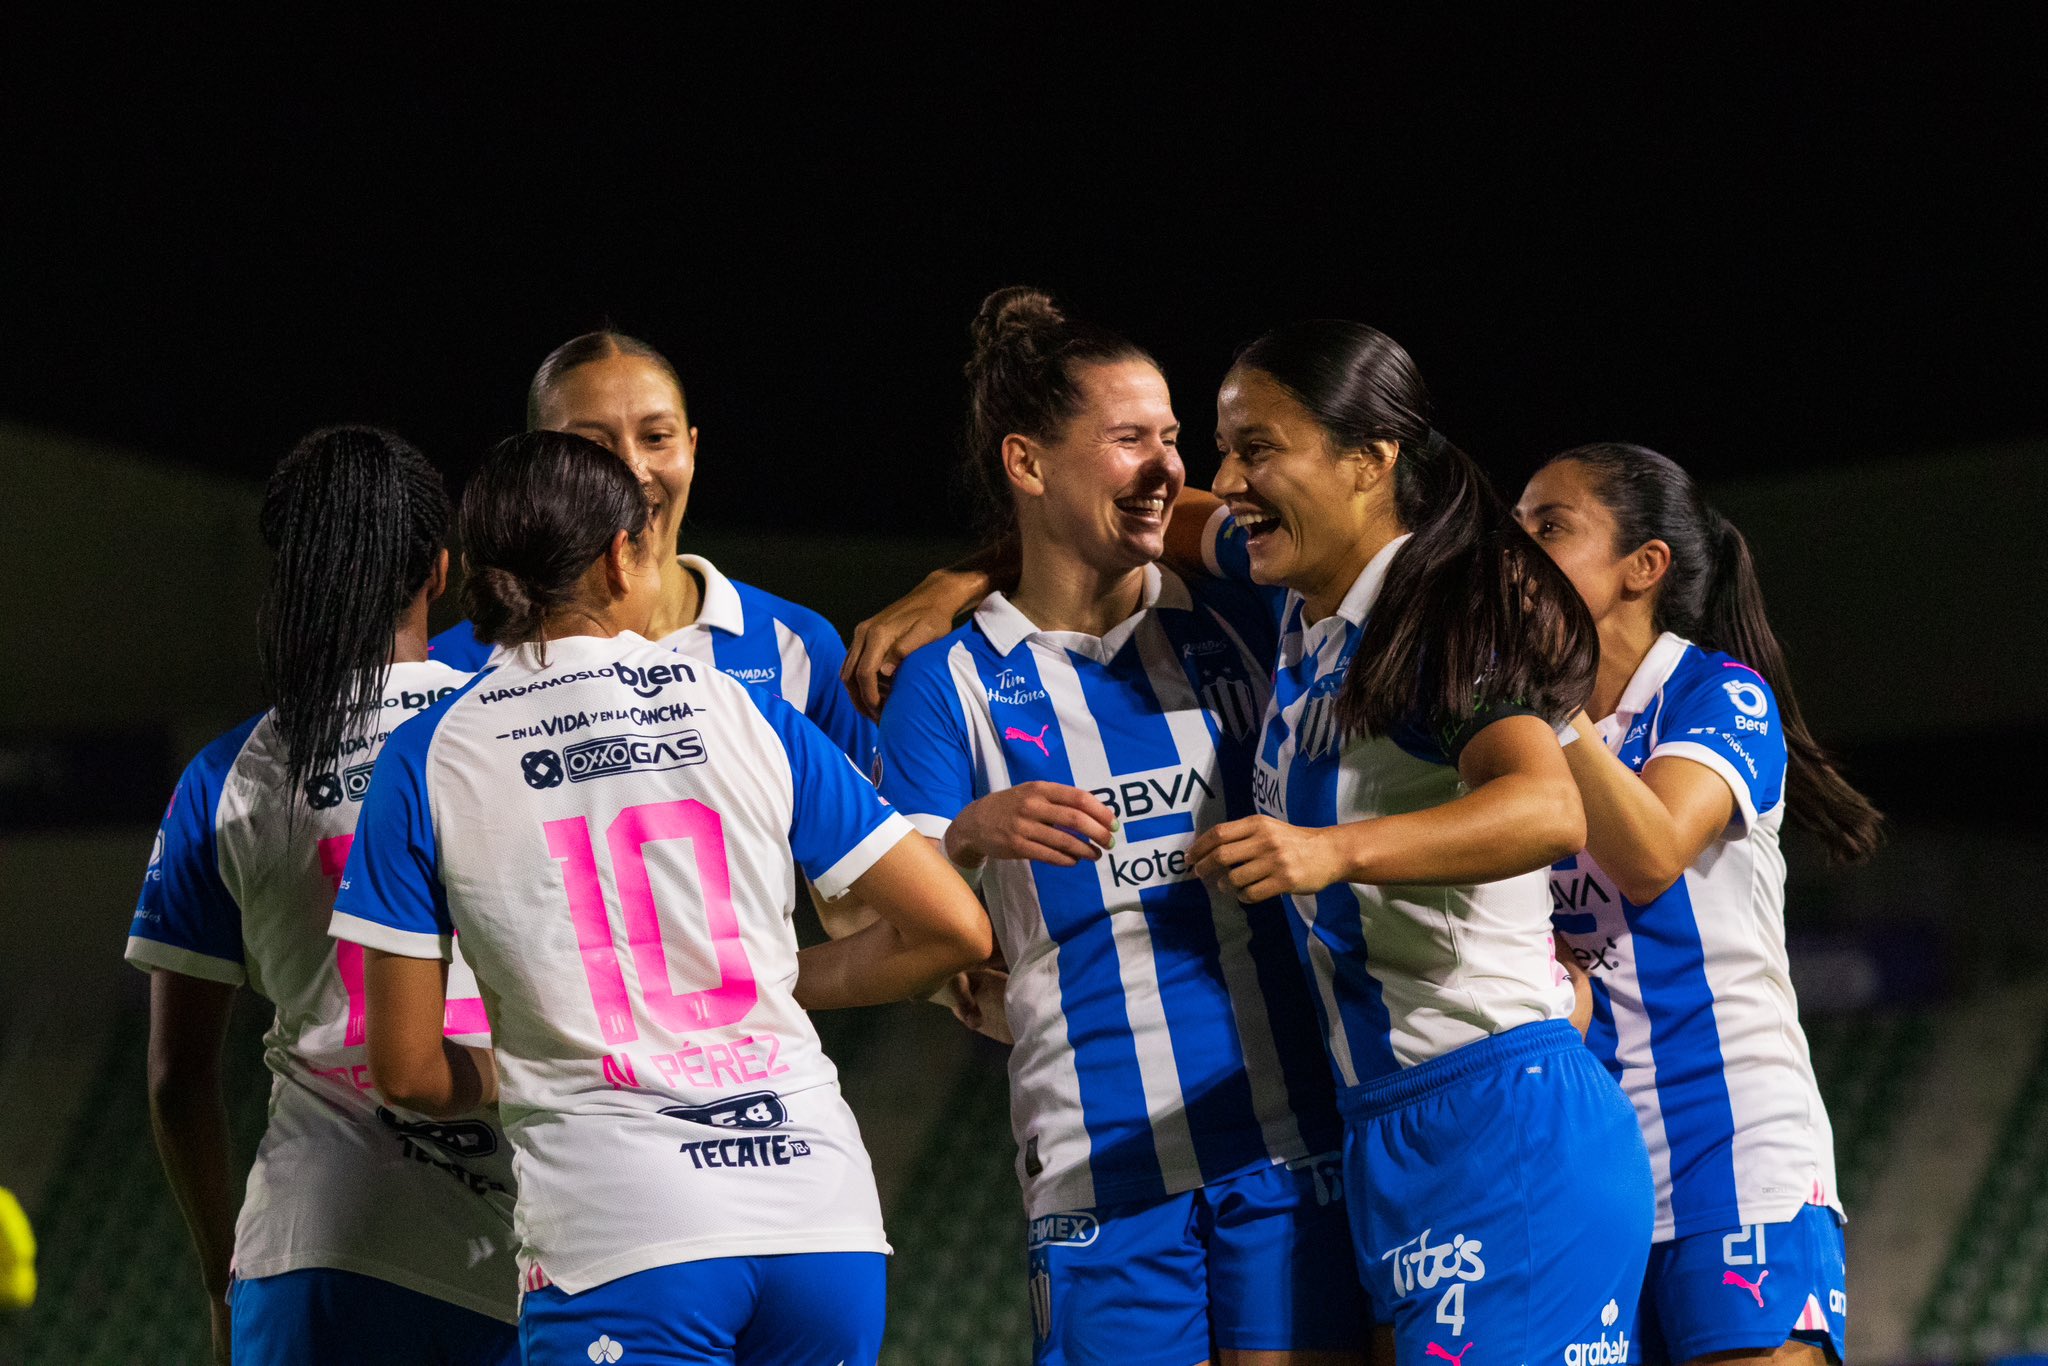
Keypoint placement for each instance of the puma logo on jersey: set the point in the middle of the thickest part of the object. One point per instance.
(1012, 733)
(1755, 1287)
(1458, 1360)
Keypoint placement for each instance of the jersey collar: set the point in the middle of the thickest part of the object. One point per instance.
(1365, 590)
(1648, 680)
(721, 609)
(1006, 627)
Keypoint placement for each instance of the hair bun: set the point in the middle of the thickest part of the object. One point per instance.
(1017, 318)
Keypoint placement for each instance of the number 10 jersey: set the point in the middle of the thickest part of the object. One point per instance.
(612, 833)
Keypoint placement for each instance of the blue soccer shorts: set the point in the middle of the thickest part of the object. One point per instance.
(1259, 1261)
(821, 1307)
(340, 1318)
(1748, 1289)
(1502, 1198)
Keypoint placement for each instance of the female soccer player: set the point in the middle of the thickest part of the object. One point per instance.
(1411, 793)
(375, 1234)
(692, 1185)
(623, 394)
(1677, 906)
(1176, 1135)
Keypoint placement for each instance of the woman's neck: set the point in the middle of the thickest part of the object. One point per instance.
(1061, 592)
(682, 598)
(1326, 594)
(1625, 640)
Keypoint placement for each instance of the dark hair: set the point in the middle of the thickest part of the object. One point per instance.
(1472, 614)
(1710, 595)
(580, 351)
(540, 510)
(1021, 379)
(357, 519)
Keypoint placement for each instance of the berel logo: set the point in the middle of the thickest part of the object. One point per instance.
(1748, 697)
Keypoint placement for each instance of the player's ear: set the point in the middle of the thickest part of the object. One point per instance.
(437, 577)
(619, 560)
(1647, 567)
(1021, 465)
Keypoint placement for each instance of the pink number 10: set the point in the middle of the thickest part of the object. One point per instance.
(630, 832)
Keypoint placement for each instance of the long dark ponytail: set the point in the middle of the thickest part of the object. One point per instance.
(1472, 614)
(1021, 379)
(1711, 595)
(537, 514)
(356, 518)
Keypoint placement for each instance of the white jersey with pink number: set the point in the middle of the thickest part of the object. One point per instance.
(612, 834)
(239, 889)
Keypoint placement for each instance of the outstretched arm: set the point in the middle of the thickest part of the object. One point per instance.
(921, 616)
(1646, 829)
(188, 1021)
(930, 927)
(1520, 813)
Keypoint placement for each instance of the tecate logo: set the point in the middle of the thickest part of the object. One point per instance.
(610, 755)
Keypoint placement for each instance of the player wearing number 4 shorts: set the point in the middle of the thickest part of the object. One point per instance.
(1174, 1125)
(1411, 794)
(614, 831)
(1691, 760)
(377, 1233)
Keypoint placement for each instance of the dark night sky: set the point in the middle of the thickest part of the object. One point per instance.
(1754, 243)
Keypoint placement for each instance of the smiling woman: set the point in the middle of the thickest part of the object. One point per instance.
(623, 394)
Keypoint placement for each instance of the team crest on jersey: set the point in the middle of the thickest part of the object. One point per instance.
(1229, 700)
(1317, 733)
(754, 1110)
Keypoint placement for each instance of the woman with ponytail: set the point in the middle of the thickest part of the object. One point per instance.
(367, 1234)
(1411, 794)
(614, 830)
(1691, 755)
(1175, 1130)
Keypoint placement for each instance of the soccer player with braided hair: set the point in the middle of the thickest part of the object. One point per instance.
(367, 1233)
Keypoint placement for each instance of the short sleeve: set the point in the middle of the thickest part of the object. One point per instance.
(926, 769)
(1724, 715)
(828, 705)
(458, 648)
(186, 920)
(391, 895)
(1227, 555)
(839, 825)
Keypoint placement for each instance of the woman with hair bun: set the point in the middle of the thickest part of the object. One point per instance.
(1690, 756)
(367, 1234)
(1411, 794)
(1174, 1128)
(614, 831)
(623, 394)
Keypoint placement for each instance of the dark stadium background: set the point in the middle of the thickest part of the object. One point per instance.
(1801, 254)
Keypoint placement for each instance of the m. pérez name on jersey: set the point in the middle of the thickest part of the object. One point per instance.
(1149, 796)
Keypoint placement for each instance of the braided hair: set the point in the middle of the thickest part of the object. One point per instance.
(356, 518)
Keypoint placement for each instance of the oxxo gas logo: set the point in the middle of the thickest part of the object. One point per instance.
(610, 755)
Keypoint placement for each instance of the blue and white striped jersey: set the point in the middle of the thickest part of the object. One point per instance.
(1163, 1038)
(1693, 1008)
(239, 888)
(756, 637)
(1402, 974)
(614, 833)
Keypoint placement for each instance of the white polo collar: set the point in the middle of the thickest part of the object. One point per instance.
(1006, 626)
(1365, 590)
(721, 608)
(1644, 684)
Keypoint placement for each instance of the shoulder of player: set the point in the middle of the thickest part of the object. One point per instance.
(218, 757)
(1712, 678)
(414, 736)
(762, 606)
